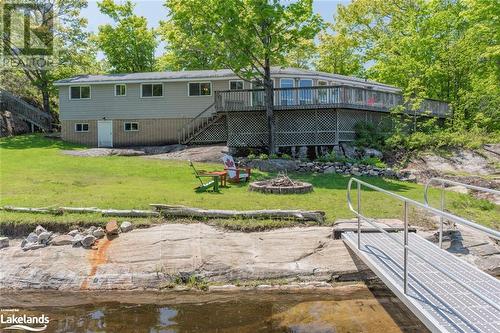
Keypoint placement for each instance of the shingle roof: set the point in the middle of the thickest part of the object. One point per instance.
(211, 74)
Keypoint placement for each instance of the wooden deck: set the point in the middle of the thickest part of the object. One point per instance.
(322, 98)
(440, 300)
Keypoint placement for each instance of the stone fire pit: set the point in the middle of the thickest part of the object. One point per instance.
(282, 184)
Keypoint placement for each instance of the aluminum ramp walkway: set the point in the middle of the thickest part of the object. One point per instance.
(444, 292)
(440, 303)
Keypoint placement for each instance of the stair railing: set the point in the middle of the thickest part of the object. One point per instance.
(16, 105)
(406, 205)
(191, 127)
(442, 182)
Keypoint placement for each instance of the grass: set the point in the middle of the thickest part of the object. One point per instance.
(34, 173)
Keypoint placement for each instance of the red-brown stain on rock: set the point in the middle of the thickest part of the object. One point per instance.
(96, 257)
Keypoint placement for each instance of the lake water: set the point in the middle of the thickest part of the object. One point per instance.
(340, 310)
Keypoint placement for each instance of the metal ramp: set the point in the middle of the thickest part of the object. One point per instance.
(446, 293)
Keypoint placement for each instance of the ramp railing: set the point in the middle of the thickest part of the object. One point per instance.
(406, 204)
(442, 182)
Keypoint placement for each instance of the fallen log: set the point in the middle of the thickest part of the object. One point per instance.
(53, 211)
(298, 215)
(129, 213)
(80, 210)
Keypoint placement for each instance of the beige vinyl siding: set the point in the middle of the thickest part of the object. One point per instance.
(69, 134)
(151, 132)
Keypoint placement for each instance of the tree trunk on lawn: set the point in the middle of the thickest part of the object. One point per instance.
(45, 99)
(268, 95)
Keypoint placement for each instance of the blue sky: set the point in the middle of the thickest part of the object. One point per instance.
(154, 11)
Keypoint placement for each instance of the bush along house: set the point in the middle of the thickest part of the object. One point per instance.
(311, 108)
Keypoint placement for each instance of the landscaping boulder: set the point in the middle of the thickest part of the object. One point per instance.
(62, 240)
(126, 226)
(39, 229)
(73, 233)
(88, 241)
(273, 165)
(44, 237)
(32, 238)
(371, 152)
(99, 233)
(112, 228)
(90, 230)
(4, 242)
(77, 240)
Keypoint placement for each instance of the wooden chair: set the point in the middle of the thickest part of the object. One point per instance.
(235, 174)
(214, 183)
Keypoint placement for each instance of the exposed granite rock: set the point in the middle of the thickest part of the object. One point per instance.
(146, 258)
(62, 240)
(88, 241)
(126, 226)
(99, 233)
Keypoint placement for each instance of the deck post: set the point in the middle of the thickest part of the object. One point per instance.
(405, 255)
(441, 219)
(359, 216)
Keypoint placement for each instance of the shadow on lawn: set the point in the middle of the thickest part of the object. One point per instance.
(339, 182)
(31, 141)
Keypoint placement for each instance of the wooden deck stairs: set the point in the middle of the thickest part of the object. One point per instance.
(36, 118)
(206, 128)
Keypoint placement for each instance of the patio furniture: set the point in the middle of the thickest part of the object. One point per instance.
(235, 174)
(214, 183)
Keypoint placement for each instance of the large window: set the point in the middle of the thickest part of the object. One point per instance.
(286, 97)
(82, 127)
(79, 92)
(120, 90)
(236, 85)
(152, 90)
(306, 91)
(200, 89)
(322, 92)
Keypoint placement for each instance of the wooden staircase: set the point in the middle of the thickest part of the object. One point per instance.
(16, 106)
(206, 128)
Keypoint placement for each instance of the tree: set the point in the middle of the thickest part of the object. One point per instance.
(73, 52)
(337, 54)
(440, 49)
(246, 36)
(130, 45)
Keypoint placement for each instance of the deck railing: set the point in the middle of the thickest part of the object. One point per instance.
(320, 97)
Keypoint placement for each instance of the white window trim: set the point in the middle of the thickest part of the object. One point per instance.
(79, 86)
(243, 83)
(131, 130)
(200, 82)
(288, 78)
(82, 131)
(152, 84)
(123, 84)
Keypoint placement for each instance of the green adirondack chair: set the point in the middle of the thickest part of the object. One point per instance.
(214, 183)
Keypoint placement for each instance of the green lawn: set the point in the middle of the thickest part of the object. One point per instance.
(34, 173)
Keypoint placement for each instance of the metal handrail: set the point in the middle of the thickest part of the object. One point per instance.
(443, 182)
(406, 248)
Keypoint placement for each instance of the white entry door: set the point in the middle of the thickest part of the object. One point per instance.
(105, 133)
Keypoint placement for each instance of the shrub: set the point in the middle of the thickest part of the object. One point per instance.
(286, 157)
(368, 136)
(263, 156)
(273, 156)
(375, 161)
(251, 156)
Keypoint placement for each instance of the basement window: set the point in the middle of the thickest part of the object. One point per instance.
(200, 89)
(131, 127)
(81, 127)
(79, 92)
